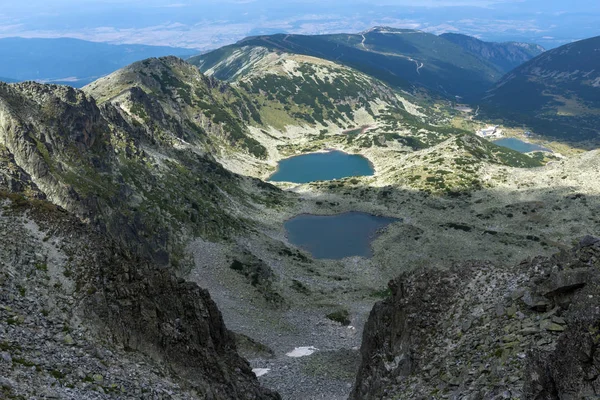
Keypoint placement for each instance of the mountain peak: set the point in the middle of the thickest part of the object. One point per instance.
(389, 29)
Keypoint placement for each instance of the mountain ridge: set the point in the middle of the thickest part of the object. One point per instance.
(505, 55)
(556, 91)
(401, 58)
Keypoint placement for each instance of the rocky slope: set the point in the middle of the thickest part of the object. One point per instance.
(479, 330)
(242, 123)
(175, 103)
(80, 318)
(504, 56)
(130, 179)
(556, 92)
(308, 88)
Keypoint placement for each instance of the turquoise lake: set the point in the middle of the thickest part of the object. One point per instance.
(519, 145)
(336, 236)
(321, 167)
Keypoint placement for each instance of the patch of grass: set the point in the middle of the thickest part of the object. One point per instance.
(300, 287)
(342, 316)
(41, 267)
(382, 294)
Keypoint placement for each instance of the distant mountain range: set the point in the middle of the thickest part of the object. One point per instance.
(403, 58)
(558, 92)
(504, 56)
(71, 61)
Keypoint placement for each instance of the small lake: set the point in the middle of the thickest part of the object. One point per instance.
(321, 167)
(336, 236)
(519, 145)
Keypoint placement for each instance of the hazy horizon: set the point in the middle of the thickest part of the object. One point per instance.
(216, 23)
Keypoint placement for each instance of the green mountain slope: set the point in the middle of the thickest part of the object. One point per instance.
(401, 58)
(303, 89)
(557, 93)
(243, 123)
(504, 56)
(176, 104)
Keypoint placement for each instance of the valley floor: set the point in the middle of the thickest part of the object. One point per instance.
(521, 214)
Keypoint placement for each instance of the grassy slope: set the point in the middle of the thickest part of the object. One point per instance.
(390, 57)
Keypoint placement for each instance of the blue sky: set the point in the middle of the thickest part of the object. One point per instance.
(210, 23)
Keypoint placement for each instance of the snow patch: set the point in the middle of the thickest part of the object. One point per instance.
(260, 371)
(302, 351)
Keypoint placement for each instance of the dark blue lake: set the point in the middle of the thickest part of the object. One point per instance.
(336, 236)
(519, 145)
(321, 167)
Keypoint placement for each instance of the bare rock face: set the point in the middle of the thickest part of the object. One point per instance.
(152, 332)
(44, 129)
(147, 309)
(572, 369)
(125, 206)
(480, 331)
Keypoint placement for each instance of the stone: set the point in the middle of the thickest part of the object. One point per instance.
(6, 357)
(588, 241)
(536, 302)
(530, 330)
(5, 383)
(499, 310)
(566, 281)
(511, 311)
(555, 327)
(517, 294)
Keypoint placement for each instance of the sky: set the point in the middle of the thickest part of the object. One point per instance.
(209, 24)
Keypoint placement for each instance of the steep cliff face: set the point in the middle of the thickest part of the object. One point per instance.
(112, 324)
(48, 130)
(481, 331)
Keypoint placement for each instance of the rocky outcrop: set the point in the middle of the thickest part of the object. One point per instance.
(141, 200)
(44, 129)
(483, 331)
(570, 370)
(133, 180)
(174, 103)
(122, 326)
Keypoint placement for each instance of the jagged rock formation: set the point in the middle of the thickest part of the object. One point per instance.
(97, 163)
(111, 276)
(96, 323)
(483, 331)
